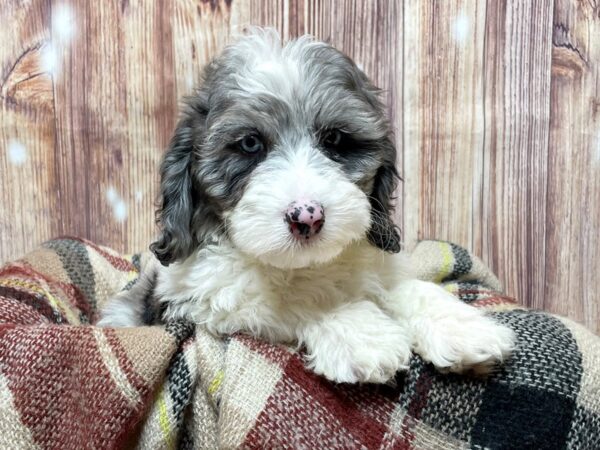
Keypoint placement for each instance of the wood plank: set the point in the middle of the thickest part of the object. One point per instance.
(28, 186)
(443, 119)
(115, 108)
(151, 97)
(573, 206)
(200, 31)
(90, 115)
(511, 224)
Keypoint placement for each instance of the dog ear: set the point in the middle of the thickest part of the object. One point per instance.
(174, 215)
(384, 233)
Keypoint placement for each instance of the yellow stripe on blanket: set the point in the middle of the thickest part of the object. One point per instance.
(451, 287)
(447, 264)
(215, 384)
(56, 303)
(163, 420)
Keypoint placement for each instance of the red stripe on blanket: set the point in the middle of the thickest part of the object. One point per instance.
(413, 412)
(19, 269)
(63, 392)
(147, 392)
(59, 289)
(306, 410)
(73, 294)
(15, 310)
(134, 378)
(496, 300)
(372, 400)
(34, 301)
(276, 354)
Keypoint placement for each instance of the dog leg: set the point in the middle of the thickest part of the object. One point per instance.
(447, 332)
(356, 342)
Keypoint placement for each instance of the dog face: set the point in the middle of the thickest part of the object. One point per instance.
(285, 151)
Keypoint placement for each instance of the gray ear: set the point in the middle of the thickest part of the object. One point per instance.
(176, 208)
(384, 233)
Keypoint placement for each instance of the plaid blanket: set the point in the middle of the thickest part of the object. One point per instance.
(65, 384)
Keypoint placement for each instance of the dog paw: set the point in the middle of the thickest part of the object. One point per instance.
(369, 362)
(367, 349)
(465, 340)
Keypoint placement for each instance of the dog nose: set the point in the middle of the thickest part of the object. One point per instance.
(305, 218)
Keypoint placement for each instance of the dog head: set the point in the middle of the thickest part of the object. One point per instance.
(285, 151)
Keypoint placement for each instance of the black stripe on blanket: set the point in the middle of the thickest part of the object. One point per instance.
(531, 402)
(462, 263)
(74, 257)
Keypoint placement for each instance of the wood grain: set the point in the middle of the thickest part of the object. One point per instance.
(443, 119)
(28, 189)
(573, 206)
(516, 69)
(495, 106)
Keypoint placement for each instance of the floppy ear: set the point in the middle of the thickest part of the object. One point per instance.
(174, 215)
(384, 233)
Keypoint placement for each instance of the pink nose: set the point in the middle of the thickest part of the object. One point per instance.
(305, 218)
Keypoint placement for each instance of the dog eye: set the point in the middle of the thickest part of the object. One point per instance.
(251, 144)
(331, 139)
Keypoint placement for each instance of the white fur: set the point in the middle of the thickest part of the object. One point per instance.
(120, 311)
(273, 68)
(359, 315)
(256, 223)
(447, 332)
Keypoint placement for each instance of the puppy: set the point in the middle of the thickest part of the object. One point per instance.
(276, 221)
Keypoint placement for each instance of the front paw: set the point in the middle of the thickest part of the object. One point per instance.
(463, 340)
(371, 348)
(370, 361)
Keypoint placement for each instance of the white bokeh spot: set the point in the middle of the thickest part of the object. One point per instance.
(118, 205)
(17, 153)
(63, 22)
(461, 28)
(111, 195)
(49, 58)
(190, 82)
(120, 210)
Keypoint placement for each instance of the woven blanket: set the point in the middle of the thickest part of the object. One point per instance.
(65, 384)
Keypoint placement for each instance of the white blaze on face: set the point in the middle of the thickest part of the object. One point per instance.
(277, 77)
(257, 222)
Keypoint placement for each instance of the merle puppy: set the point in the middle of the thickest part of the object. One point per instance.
(276, 221)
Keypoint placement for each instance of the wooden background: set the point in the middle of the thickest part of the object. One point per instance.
(496, 106)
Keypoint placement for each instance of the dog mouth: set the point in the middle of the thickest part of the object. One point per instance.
(303, 232)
